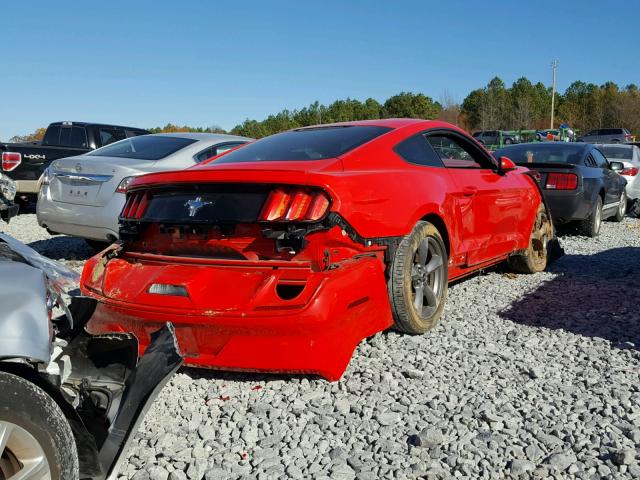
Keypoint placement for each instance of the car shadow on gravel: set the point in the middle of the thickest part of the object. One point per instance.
(593, 296)
(63, 248)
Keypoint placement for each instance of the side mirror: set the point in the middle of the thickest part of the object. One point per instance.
(506, 165)
(616, 166)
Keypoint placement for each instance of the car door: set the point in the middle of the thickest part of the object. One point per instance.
(612, 184)
(488, 204)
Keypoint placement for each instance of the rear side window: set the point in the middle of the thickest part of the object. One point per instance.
(611, 131)
(215, 150)
(418, 150)
(52, 136)
(110, 135)
(305, 144)
(600, 158)
(144, 147)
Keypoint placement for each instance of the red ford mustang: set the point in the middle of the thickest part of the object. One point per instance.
(282, 255)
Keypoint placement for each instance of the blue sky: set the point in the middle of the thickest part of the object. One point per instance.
(200, 63)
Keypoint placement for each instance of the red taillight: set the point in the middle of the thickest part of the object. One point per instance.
(299, 205)
(135, 206)
(276, 206)
(294, 205)
(318, 207)
(10, 160)
(561, 181)
(630, 171)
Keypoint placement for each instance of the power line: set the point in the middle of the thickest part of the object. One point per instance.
(554, 65)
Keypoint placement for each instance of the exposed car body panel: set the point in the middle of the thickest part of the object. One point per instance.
(25, 331)
(227, 309)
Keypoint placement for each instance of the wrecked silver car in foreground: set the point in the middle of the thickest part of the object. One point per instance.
(69, 401)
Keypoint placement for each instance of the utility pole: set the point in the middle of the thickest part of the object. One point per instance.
(554, 65)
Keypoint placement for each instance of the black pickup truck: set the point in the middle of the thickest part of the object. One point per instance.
(25, 162)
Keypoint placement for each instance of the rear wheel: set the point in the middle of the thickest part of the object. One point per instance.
(36, 441)
(508, 141)
(418, 280)
(590, 226)
(622, 208)
(534, 258)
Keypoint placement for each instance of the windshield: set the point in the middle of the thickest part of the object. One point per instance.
(305, 144)
(543, 153)
(617, 152)
(147, 147)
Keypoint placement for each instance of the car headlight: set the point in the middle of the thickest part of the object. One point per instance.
(7, 187)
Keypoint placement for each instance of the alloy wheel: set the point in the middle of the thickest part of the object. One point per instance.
(427, 277)
(598, 216)
(622, 208)
(22, 457)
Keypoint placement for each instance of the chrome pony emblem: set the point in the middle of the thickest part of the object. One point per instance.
(195, 205)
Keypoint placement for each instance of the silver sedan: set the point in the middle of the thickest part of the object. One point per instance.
(83, 196)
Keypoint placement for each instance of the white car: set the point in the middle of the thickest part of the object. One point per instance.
(629, 155)
(83, 196)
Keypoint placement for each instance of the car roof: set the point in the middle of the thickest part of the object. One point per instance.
(383, 122)
(215, 137)
(84, 124)
(623, 145)
(552, 145)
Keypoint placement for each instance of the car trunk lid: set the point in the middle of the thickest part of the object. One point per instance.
(89, 180)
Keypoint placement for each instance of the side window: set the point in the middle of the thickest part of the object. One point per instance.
(452, 153)
(204, 154)
(590, 162)
(600, 159)
(110, 135)
(418, 150)
(52, 136)
(78, 137)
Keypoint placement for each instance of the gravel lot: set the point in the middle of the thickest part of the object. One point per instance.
(526, 376)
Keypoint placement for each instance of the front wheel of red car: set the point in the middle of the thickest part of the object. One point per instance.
(418, 280)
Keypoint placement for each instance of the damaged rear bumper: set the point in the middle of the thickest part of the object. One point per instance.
(256, 316)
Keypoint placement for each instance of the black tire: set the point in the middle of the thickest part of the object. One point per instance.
(508, 141)
(97, 245)
(633, 208)
(25, 407)
(535, 258)
(622, 208)
(590, 226)
(416, 276)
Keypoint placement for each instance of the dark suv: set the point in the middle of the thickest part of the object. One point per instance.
(607, 135)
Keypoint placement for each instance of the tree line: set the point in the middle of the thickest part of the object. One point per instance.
(521, 106)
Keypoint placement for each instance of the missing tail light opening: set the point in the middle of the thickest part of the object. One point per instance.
(561, 181)
(294, 205)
